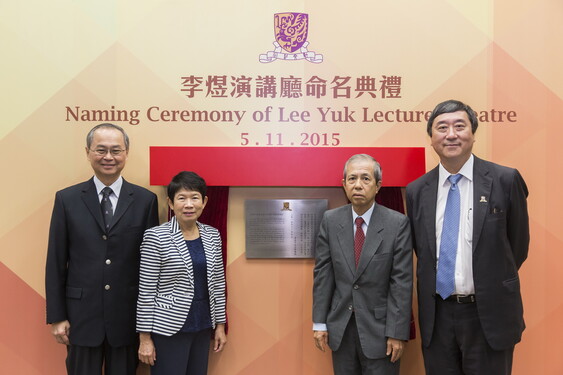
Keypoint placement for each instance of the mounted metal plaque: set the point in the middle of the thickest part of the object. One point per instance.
(282, 228)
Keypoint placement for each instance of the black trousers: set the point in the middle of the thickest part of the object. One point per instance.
(458, 345)
(349, 359)
(85, 360)
(182, 353)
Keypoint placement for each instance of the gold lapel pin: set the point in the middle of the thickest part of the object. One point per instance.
(483, 199)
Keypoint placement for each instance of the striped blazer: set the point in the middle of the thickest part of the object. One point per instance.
(166, 285)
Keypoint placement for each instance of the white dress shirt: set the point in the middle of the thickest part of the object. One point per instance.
(464, 256)
(115, 187)
(366, 216)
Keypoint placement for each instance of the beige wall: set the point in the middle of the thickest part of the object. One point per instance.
(502, 55)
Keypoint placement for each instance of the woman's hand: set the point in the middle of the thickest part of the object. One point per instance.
(220, 338)
(147, 352)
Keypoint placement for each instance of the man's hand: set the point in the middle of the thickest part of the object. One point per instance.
(147, 352)
(395, 349)
(321, 339)
(61, 330)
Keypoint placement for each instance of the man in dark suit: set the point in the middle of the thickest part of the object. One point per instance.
(470, 230)
(92, 270)
(363, 278)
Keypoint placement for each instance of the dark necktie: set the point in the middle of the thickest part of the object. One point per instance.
(359, 239)
(445, 278)
(107, 208)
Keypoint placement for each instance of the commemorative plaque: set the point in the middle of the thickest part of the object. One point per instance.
(282, 228)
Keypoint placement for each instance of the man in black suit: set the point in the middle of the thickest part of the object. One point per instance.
(470, 232)
(92, 270)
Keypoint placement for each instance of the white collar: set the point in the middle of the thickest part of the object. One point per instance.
(366, 216)
(115, 187)
(466, 171)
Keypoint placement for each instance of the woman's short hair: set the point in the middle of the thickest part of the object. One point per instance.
(189, 181)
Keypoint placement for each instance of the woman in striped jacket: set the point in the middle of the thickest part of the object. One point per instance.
(182, 285)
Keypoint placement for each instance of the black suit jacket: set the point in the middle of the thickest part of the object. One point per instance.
(92, 276)
(500, 246)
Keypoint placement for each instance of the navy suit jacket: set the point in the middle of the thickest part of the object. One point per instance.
(92, 276)
(500, 246)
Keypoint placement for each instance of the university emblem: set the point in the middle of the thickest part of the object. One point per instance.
(290, 30)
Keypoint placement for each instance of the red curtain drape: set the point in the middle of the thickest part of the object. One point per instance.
(391, 197)
(215, 213)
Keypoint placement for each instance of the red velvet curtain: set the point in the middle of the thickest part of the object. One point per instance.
(391, 197)
(215, 213)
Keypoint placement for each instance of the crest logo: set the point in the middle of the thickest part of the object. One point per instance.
(290, 31)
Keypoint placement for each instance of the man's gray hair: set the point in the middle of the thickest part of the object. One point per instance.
(107, 125)
(376, 167)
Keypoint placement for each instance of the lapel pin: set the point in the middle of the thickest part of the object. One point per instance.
(483, 199)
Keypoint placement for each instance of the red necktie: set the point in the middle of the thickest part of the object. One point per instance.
(359, 239)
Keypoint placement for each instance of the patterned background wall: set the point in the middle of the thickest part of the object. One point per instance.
(495, 55)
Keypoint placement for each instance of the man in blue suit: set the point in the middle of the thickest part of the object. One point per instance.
(92, 270)
(470, 231)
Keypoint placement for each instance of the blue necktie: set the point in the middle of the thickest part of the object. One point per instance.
(445, 278)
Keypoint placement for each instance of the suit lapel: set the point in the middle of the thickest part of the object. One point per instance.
(345, 237)
(181, 247)
(429, 196)
(373, 240)
(90, 199)
(123, 203)
(482, 188)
